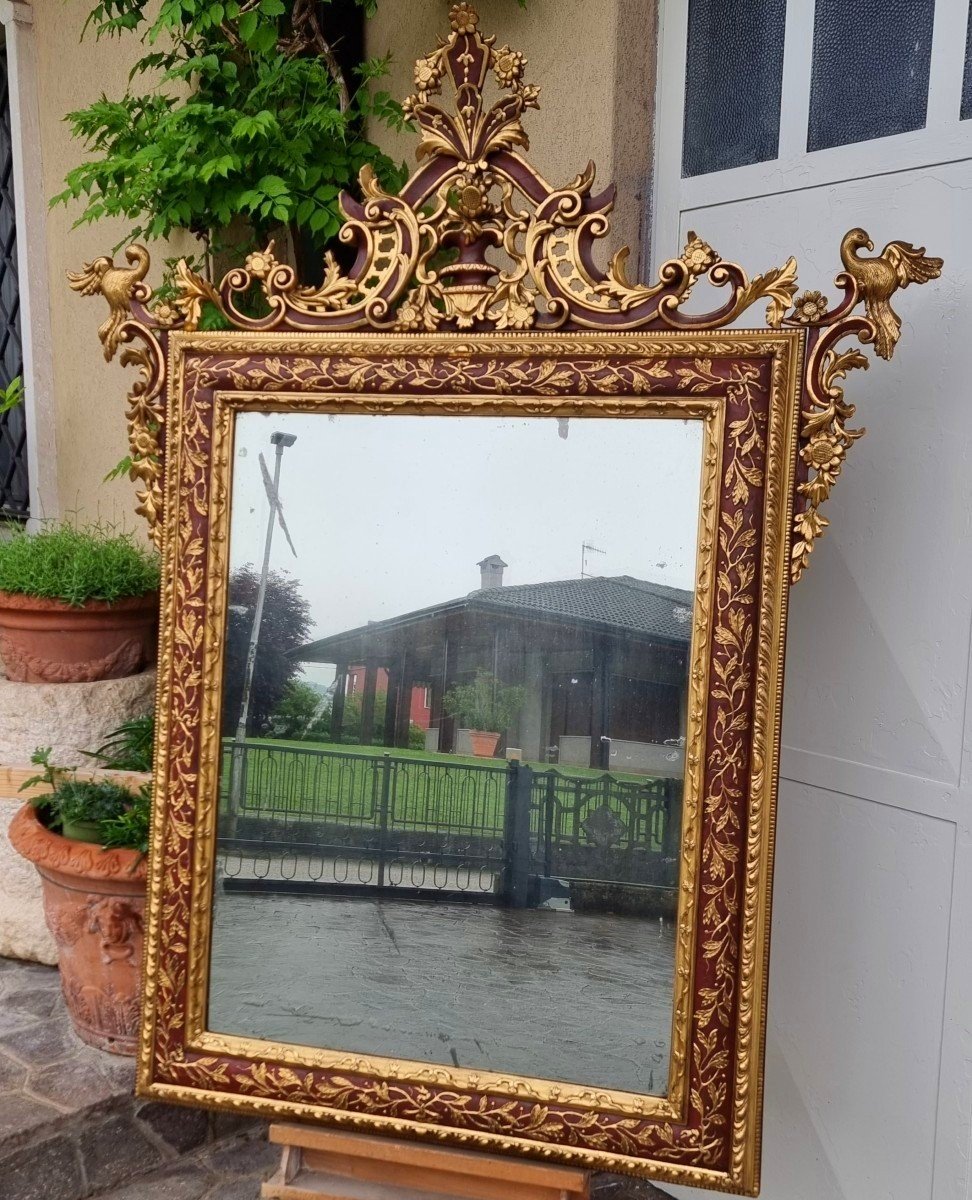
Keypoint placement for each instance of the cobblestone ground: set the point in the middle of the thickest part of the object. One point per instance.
(233, 1170)
(70, 1127)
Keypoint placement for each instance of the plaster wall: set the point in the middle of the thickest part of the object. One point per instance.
(87, 396)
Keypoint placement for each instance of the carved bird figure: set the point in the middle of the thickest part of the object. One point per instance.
(878, 278)
(117, 285)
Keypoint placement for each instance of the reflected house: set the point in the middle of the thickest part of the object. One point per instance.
(603, 662)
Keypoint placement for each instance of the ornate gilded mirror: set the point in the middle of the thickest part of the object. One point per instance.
(523, 532)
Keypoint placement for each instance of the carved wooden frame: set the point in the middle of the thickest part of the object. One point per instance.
(744, 387)
(542, 330)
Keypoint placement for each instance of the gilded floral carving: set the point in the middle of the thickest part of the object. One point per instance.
(473, 292)
(557, 376)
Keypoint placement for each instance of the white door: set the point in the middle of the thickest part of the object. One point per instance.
(780, 126)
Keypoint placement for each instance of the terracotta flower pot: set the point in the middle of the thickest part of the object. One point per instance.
(47, 641)
(94, 902)
(483, 743)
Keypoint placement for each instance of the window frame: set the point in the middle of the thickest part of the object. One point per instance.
(945, 138)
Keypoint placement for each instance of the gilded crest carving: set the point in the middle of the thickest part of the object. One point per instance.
(478, 240)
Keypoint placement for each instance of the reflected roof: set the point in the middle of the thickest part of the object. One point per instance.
(617, 602)
(621, 600)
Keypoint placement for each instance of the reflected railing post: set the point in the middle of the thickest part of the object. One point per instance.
(235, 790)
(516, 849)
(672, 841)
(550, 800)
(383, 817)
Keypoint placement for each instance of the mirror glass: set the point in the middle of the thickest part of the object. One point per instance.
(453, 720)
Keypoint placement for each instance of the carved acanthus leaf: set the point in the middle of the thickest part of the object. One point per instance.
(779, 286)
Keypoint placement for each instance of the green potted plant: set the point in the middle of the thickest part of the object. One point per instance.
(77, 604)
(486, 708)
(87, 835)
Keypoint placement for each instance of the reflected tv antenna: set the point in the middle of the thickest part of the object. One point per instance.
(587, 548)
(273, 495)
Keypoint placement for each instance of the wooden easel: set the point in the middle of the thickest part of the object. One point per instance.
(326, 1164)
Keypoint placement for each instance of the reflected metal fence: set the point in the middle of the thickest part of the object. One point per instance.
(307, 818)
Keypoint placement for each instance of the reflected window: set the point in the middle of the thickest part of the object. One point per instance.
(870, 69)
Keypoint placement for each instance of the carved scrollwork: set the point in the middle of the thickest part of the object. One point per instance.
(825, 431)
(477, 241)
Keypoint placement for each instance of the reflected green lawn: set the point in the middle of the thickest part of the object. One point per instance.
(323, 780)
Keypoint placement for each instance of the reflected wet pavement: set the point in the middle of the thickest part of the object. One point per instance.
(585, 998)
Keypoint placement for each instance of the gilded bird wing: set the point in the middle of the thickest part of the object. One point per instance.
(88, 280)
(910, 263)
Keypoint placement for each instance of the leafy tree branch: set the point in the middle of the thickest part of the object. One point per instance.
(246, 117)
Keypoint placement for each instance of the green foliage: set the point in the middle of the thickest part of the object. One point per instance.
(11, 395)
(129, 828)
(285, 628)
(351, 721)
(120, 470)
(243, 116)
(295, 713)
(484, 704)
(121, 815)
(75, 564)
(127, 748)
(351, 724)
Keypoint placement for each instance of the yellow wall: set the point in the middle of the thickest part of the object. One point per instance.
(89, 394)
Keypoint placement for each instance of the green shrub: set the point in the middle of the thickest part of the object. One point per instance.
(75, 564)
(127, 748)
(484, 703)
(295, 712)
(129, 828)
(121, 815)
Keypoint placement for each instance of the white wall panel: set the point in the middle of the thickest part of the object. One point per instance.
(869, 1049)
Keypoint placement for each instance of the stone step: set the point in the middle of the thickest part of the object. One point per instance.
(70, 1127)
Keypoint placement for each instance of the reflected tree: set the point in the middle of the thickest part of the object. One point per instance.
(285, 627)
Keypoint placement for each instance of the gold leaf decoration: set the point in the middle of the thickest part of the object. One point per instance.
(780, 285)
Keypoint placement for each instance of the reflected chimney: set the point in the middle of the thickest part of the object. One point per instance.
(491, 572)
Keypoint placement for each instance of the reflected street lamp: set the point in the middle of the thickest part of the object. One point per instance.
(280, 441)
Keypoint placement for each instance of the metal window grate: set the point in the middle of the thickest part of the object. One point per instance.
(14, 496)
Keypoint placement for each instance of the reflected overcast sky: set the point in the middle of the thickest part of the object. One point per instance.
(392, 513)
